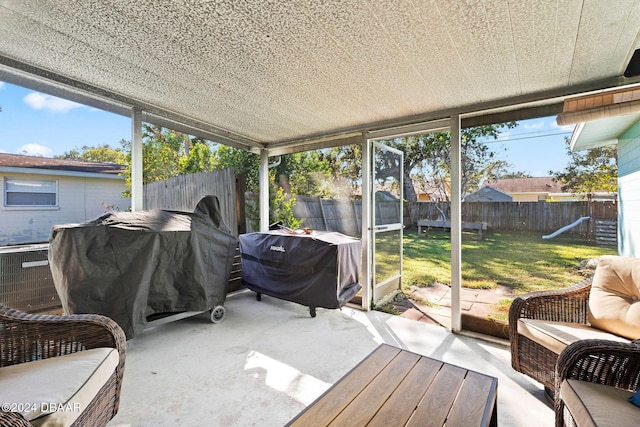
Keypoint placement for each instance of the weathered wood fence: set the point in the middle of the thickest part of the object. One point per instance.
(515, 216)
(342, 215)
(183, 192)
(345, 215)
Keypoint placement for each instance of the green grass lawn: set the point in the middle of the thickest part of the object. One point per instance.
(521, 261)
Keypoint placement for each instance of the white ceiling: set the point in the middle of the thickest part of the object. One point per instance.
(276, 72)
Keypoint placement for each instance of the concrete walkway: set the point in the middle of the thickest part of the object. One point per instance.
(267, 360)
(432, 304)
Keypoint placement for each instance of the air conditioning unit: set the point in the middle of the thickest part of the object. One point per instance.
(25, 278)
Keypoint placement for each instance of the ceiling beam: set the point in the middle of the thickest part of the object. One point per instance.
(22, 77)
(539, 104)
(318, 144)
(513, 115)
(546, 103)
(41, 80)
(196, 131)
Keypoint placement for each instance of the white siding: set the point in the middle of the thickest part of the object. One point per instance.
(79, 200)
(629, 193)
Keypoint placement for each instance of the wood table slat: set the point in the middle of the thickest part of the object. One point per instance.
(363, 408)
(434, 408)
(400, 406)
(469, 409)
(334, 400)
(394, 387)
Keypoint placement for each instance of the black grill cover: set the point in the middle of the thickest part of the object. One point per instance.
(316, 270)
(131, 265)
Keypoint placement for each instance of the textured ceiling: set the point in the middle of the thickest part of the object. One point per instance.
(269, 72)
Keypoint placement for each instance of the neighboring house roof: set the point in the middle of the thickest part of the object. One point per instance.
(544, 184)
(488, 194)
(385, 195)
(45, 163)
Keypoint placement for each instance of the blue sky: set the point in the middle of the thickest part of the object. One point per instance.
(535, 146)
(38, 124)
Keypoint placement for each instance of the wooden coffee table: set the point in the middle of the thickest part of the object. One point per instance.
(395, 387)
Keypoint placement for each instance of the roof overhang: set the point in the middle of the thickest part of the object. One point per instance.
(289, 77)
(55, 172)
(601, 132)
(601, 118)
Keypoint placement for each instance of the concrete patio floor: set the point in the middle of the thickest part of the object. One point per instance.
(267, 360)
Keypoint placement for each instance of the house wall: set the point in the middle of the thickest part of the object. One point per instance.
(80, 199)
(549, 197)
(629, 192)
(564, 197)
(525, 197)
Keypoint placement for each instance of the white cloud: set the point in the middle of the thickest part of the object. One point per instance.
(565, 128)
(1, 84)
(35, 150)
(40, 101)
(536, 125)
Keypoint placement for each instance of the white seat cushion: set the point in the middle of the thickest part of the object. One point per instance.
(555, 336)
(593, 404)
(614, 299)
(55, 391)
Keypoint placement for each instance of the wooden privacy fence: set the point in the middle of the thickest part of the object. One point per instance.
(183, 192)
(342, 215)
(541, 217)
(345, 215)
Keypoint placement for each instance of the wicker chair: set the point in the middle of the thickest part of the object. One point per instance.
(28, 337)
(563, 305)
(603, 362)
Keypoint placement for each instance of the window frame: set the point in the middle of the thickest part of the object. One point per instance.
(8, 180)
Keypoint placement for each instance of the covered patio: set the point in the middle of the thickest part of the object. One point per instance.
(276, 78)
(280, 77)
(268, 360)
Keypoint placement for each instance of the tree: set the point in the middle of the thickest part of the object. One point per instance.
(199, 159)
(345, 163)
(512, 175)
(430, 154)
(590, 170)
(243, 163)
(308, 173)
(167, 153)
(246, 163)
(100, 154)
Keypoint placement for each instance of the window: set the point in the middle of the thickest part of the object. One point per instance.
(30, 192)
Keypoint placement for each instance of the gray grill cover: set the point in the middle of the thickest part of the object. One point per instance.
(317, 270)
(131, 265)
